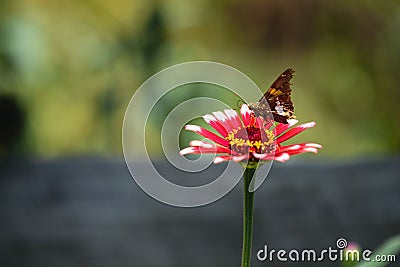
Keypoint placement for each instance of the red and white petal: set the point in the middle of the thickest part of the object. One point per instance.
(207, 134)
(246, 115)
(261, 156)
(233, 118)
(216, 148)
(292, 122)
(223, 119)
(260, 122)
(188, 150)
(294, 131)
(253, 121)
(303, 150)
(281, 127)
(220, 159)
(203, 150)
(282, 157)
(240, 158)
(200, 143)
(299, 146)
(213, 122)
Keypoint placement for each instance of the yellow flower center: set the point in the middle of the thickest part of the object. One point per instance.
(251, 139)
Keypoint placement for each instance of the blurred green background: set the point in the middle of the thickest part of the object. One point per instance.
(69, 68)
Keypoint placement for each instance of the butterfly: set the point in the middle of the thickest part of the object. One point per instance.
(276, 103)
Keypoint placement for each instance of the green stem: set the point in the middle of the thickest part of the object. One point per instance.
(248, 204)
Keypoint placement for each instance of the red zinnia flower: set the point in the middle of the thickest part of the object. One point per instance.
(248, 138)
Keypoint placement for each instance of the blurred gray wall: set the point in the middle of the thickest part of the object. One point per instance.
(89, 212)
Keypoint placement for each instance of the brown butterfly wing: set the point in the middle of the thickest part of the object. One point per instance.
(278, 97)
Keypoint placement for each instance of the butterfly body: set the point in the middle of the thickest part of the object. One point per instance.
(276, 103)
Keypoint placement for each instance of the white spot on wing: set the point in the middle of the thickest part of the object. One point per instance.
(279, 109)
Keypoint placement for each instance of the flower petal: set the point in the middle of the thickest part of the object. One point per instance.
(201, 143)
(224, 121)
(213, 122)
(203, 150)
(207, 134)
(240, 158)
(188, 150)
(294, 131)
(303, 150)
(262, 156)
(299, 146)
(246, 115)
(282, 157)
(233, 118)
(281, 127)
(220, 159)
(253, 120)
(260, 122)
(216, 148)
